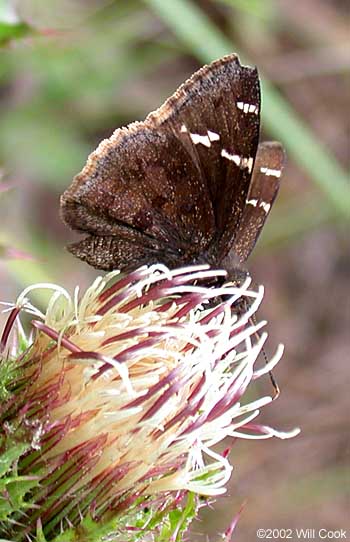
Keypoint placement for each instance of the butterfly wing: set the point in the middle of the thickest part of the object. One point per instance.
(171, 188)
(142, 188)
(263, 190)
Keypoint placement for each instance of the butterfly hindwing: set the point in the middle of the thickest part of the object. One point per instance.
(263, 190)
(140, 179)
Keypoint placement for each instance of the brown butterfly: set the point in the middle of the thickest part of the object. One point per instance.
(190, 184)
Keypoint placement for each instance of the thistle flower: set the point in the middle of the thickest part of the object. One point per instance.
(111, 412)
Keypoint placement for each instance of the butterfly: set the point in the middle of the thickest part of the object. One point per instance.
(190, 184)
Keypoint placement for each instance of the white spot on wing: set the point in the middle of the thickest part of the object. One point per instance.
(252, 201)
(265, 206)
(271, 172)
(213, 136)
(183, 129)
(242, 162)
(247, 163)
(233, 157)
(203, 139)
(248, 108)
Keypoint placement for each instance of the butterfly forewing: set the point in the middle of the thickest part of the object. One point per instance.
(209, 114)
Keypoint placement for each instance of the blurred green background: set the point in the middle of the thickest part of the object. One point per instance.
(72, 71)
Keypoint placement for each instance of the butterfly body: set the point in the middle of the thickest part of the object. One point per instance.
(188, 185)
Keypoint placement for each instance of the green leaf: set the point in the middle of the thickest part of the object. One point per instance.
(10, 31)
(14, 489)
(8, 458)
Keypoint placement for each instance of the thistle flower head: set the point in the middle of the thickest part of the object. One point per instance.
(121, 397)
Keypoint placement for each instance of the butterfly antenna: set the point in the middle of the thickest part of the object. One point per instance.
(272, 378)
